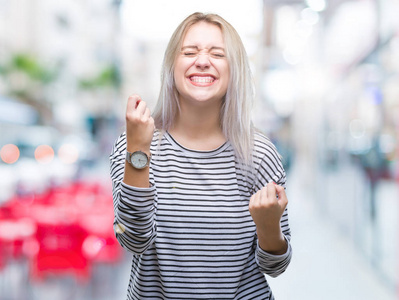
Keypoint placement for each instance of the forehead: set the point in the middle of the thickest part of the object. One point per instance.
(204, 35)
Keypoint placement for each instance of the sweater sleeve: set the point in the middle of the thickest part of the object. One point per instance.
(134, 208)
(270, 168)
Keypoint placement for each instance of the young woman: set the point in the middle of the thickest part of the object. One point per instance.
(199, 196)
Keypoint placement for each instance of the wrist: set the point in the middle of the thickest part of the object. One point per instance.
(272, 242)
(132, 146)
(146, 150)
(138, 159)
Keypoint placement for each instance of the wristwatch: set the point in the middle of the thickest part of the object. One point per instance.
(138, 159)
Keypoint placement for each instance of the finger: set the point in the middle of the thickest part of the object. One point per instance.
(263, 194)
(147, 113)
(271, 191)
(253, 201)
(135, 99)
(141, 107)
(132, 102)
(282, 196)
(152, 122)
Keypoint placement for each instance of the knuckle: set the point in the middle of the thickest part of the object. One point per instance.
(285, 200)
(132, 117)
(128, 116)
(257, 206)
(251, 200)
(268, 204)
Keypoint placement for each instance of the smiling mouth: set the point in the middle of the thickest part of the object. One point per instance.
(202, 79)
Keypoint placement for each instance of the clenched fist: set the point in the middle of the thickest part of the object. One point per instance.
(267, 207)
(139, 125)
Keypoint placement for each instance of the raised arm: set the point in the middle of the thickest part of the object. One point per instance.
(139, 133)
(134, 196)
(268, 208)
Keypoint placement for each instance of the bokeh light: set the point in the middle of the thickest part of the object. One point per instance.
(310, 16)
(68, 153)
(9, 153)
(92, 245)
(44, 154)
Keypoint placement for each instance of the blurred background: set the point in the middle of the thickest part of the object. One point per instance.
(327, 79)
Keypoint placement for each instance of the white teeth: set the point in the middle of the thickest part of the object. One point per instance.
(201, 79)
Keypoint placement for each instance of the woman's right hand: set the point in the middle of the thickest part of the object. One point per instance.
(139, 125)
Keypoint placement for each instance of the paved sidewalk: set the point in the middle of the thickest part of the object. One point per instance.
(325, 263)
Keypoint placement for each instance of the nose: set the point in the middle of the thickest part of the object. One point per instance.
(202, 61)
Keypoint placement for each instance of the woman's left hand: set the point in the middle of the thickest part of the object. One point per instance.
(266, 208)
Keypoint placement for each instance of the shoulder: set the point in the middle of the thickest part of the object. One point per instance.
(267, 161)
(264, 148)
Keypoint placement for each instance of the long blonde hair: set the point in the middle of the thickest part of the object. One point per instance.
(235, 116)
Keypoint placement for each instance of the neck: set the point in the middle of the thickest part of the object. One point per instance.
(198, 127)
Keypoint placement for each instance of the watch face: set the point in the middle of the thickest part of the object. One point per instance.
(139, 160)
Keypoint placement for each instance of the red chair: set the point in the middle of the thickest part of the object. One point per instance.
(74, 229)
(60, 252)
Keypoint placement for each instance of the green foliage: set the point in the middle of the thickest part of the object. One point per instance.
(29, 65)
(108, 77)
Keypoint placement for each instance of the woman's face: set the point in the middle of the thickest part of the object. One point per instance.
(201, 70)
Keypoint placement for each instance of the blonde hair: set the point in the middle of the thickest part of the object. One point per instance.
(235, 116)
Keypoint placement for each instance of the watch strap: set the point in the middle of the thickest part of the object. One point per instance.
(129, 157)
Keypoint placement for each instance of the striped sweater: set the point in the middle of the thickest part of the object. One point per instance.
(190, 232)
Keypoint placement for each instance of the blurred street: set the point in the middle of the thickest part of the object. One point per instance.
(326, 74)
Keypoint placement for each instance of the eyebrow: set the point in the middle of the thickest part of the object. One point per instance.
(196, 47)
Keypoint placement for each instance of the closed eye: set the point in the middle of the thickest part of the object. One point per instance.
(189, 54)
(217, 55)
